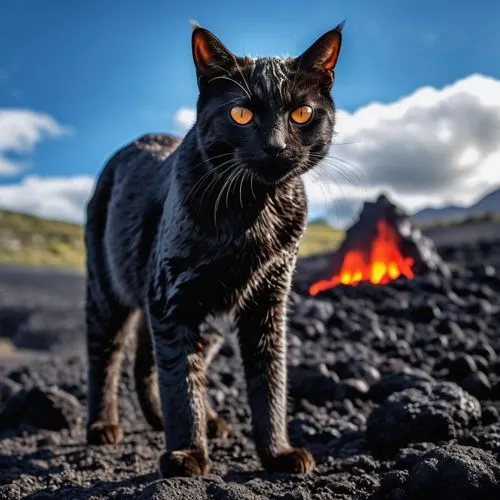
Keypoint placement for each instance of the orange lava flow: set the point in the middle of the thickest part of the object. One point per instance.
(381, 265)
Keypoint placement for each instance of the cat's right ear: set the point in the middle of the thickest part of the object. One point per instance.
(210, 56)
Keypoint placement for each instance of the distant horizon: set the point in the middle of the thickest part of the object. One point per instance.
(312, 219)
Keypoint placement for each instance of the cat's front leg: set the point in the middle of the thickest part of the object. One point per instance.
(180, 362)
(261, 325)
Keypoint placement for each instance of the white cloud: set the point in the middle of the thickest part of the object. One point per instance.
(433, 147)
(52, 197)
(20, 131)
(185, 118)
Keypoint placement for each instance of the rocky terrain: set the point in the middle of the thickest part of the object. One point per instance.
(395, 389)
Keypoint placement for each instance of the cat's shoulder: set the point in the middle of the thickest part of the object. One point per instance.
(158, 146)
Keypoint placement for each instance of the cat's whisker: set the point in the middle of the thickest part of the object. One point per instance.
(228, 102)
(222, 77)
(200, 144)
(351, 179)
(344, 168)
(355, 176)
(339, 186)
(351, 166)
(229, 73)
(216, 206)
(243, 178)
(233, 178)
(346, 143)
(251, 184)
(243, 77)
(204, 177)
(212, 158)
(328, 199)
(217, 176)
(335, 169)
(341, 160)
(296, 73)
(221, 68)
(329, 175)
(216, 179)
(332, 199)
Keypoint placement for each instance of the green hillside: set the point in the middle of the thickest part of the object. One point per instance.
(320, 237)
(30, 240)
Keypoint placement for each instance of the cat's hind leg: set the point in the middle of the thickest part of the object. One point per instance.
(106, 338)
(105, 318)
(216, 426)
(146, 375)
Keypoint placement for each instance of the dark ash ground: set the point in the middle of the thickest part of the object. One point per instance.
(395, 389)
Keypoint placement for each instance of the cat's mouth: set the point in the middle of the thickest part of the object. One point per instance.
(275, 171)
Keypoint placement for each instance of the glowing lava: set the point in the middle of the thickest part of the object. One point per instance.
(380, 265)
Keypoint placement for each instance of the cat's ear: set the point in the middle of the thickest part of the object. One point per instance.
(209, 54)
(322, 55)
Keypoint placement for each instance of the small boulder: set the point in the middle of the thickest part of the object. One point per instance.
(410, 378)
(52, 408)
(7, 388)
(438, 411)
(455, 472)
(46, 408)
(180, 488)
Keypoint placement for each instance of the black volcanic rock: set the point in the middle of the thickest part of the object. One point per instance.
(338, 345)
(462, 366)
(434, 412)
(53, 408)
(477, 384)
(12, 411)
(315, 383)
(399, 381)
(486, 438)
(176, 489)
(7, 388)
(47, 408)
(455, 472)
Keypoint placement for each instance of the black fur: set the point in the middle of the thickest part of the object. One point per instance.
(179, 231)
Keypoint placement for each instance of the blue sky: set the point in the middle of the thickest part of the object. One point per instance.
(106, 72)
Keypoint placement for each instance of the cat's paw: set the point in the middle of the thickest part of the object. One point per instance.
(184, 463)
(100, 432)
(217, 428)
(293, 461)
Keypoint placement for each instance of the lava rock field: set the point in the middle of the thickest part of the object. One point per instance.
(394, 388)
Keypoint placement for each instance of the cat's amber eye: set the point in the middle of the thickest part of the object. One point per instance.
(301, 115)
(241, 115)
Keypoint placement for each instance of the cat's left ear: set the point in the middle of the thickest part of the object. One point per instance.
(209, 54)
(322, 55)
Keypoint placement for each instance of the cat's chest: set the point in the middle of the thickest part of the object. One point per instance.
(219, 269)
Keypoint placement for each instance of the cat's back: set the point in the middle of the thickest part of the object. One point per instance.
(124, 211)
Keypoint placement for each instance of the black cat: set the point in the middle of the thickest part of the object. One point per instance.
(178, 231)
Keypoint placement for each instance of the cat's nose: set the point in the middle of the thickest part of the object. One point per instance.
(274, 148)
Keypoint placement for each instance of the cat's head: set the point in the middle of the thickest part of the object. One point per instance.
(272, 115)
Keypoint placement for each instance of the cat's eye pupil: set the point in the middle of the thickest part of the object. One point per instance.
(301, 115)
(241, 115)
